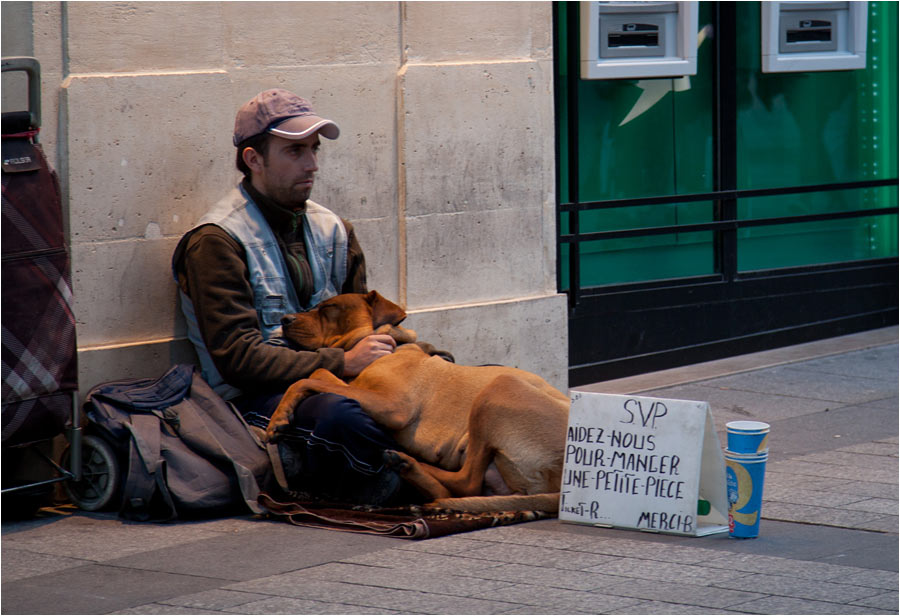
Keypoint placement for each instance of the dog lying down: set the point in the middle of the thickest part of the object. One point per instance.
(478, 439)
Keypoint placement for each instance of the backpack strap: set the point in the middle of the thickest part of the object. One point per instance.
(145, 477)
(277, 467)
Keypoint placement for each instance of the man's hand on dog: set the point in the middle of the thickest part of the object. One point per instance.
(366, 351)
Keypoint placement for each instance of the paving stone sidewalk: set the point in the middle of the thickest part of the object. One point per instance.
(516, 570)
(828, 542)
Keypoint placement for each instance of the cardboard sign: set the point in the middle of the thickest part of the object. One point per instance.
(643, 463)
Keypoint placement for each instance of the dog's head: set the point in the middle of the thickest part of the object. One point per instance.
(341, 321)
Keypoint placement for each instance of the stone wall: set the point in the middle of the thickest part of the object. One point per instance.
(445, 163)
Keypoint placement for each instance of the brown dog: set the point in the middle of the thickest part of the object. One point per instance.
(456, 422)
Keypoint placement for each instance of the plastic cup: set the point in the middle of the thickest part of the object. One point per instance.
(744, 477)
(747, 436)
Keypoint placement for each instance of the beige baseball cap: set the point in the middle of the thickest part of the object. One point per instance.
(280, 113)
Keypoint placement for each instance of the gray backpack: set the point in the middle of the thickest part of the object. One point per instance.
(188, 453)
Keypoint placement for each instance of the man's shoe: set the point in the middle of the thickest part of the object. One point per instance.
(378, 490)
(292, 463)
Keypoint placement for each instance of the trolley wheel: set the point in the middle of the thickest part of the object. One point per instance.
(99, 474)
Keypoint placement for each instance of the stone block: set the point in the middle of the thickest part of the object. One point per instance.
(885, 601)
(78, 590)
(883, 524)
(284, 605)
(743, 563)
(141, 169)
(311, 33)
(216, 599)
(124, 291)
(102, 538)
(572, 601)
(551, 579)
(378, 238)
(259, 551)
(450, 545)
(161, 608)
(878, 363)
(47, 28)
(646, 608)
(791, 381)
(444, 582)
(18, 37)
(477, 137)
(732, 404)
(474, 257)
(21, 564)
(872, 578)
(33, 29)
(531, 334)
(17, 40)
(117, 37)
(791, 494)
(351, 569)
(376, 587)
(478, 170)
(522, 535)
(362, 600)
(690, 594)
(787, 586)
(464, 31)
(150, 359)
(565, 559)
(649, 570)
(873, 449)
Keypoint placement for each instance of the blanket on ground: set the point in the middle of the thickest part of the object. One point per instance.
(408, 522)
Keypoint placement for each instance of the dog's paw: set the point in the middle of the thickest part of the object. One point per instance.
(445, 355)
(276, 426)
(401, 335)
(396, 461)
(433, 351)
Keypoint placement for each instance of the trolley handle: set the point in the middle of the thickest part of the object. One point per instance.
(33, 69)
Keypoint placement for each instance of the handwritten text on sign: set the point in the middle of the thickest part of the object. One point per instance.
(632, 462)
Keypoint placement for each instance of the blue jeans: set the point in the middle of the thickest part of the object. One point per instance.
(332, 450)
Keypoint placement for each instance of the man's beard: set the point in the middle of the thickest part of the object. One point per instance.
(291, 197)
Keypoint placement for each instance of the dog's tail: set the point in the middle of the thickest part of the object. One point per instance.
(548, 503)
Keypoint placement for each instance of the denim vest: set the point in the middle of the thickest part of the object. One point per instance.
(273, 293)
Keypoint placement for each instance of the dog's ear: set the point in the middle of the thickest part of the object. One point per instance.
(384, 312)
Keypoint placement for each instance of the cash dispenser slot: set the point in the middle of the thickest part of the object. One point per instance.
(807, 31)
(635, 35)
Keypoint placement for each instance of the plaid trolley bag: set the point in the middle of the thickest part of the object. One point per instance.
(38, 326)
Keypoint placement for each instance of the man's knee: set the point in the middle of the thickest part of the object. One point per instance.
(336, 415)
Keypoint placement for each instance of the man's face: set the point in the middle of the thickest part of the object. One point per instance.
(287, 172)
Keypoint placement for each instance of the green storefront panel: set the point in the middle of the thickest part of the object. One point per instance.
(641, 138)
(654, 137)
(801, 129)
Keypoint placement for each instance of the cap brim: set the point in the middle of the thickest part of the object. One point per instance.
(300, 127)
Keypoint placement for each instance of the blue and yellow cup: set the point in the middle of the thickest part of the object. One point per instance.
(744, 477)
(747, 436)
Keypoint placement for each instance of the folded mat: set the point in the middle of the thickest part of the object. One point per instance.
(408, 522)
